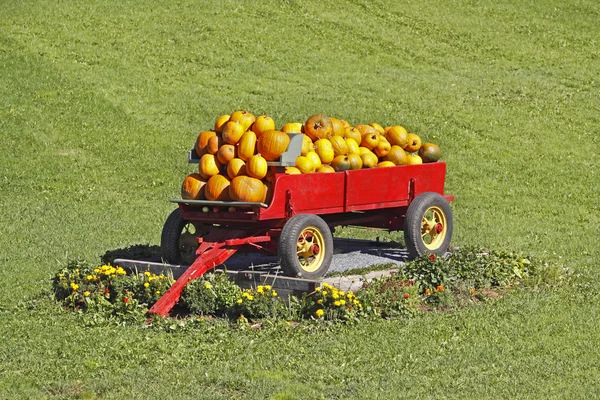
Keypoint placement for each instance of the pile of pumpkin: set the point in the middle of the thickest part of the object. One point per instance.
(233, 156)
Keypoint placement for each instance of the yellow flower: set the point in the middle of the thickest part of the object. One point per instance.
(319, 313)
(274, 293)
(207, 285)
(147, 273)
(74, 286)
(86, 293)
(61, 275)
(246, 294)
(318, 289)
(320, 301)
(146, 284)
(335, 295)
(342, 293)
(240, 301)
(267, 287)
(90, 278)
(250, 298)
(121, 271)
(260, 290)
(157, 292)
(342, 302)
(324, 292)
(337, 303)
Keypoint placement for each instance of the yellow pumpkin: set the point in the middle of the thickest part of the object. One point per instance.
(414, 143)
(217, 188)
(273, 144)
(414, 159)
(362, 150)
(292, 171)
(232, 132)
(397, 135)
(305, 165)
(246, 188)
(385, 164)
(378, 127)
(314, 157)
(370, 139)
(355, 161)
(326, 169)
(396, 155)
(369, 159)
(292, 127)
(307, 145)
(340, 147)
(208, 166)
(257, 166)
(193, 187)
(262, 124)
(337, 127)
(324, 149)
(341, 163)
(236, 167)
(247, 145)
(244, 118)
(353, 147)
(353, 133)
(364, 128)
(221, 121)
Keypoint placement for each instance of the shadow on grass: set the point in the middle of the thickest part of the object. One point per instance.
(143, 252)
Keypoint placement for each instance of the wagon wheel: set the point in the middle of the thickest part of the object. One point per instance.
(305, 246)
(179, 239)
(428, 225)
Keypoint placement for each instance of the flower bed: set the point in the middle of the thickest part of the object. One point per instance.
(107, 292)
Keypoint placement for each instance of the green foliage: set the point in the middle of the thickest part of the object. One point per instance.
(213, 294)
(391, 297)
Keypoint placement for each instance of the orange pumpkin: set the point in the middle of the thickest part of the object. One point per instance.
(383, 147)
(208, 166)
(193, 187)
(244, 118)
(273, 144)
(324, 149)
(339, 145)
(370, 139)
(222, 120)
(202, 142)
(226, 153)
(262, 124)
(246, 188)
(413, 144)
(247, 145)
(217, 188)
(397, 135)
(396, 155)
(236, 167)
(214, 143)
(257, 166)
(232, 132)
(318, 127)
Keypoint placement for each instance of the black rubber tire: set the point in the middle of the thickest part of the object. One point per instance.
(288, 242)
(173, 251)
(413, 220)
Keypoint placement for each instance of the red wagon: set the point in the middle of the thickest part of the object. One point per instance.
(297, 224)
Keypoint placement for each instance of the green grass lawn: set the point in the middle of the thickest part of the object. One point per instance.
(100, 101)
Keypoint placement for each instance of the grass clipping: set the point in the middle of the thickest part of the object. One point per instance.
(106, 293)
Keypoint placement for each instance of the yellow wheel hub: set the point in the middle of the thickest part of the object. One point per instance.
(433, 228)
(310, 249)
